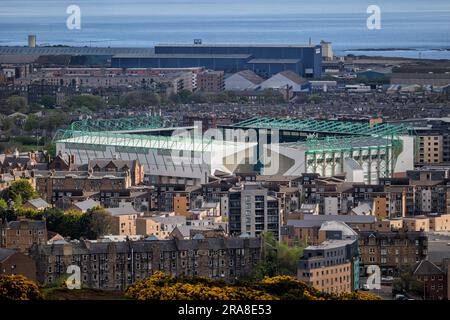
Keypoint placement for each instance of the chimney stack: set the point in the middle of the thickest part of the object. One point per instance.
(32, 41)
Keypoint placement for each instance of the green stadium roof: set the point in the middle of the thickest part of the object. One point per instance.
(122, 124)
(342, 144)
(325, 126)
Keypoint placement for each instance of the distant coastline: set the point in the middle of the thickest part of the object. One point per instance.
(398, 49)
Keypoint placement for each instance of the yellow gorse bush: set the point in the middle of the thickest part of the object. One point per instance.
(17, 287)
(160, 286)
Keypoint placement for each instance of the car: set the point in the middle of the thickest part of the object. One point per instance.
(400, 297)
(365, 287)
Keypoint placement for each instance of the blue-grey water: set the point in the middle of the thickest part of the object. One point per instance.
(423, 26)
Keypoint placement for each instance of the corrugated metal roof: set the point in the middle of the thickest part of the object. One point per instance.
(275, 61)
(72, 51)
(239, 45)
(181, 56)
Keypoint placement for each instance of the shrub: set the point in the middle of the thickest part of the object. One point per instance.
(17, 287)
(160, 286)
(163, 287)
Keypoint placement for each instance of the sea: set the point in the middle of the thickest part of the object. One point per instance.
(408, 28)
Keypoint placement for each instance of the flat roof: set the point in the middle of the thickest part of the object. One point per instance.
(275, 61)
(239, 45)
(331, 244)
(181, 56)
(16, 50)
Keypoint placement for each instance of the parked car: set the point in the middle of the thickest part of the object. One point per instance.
(365, 287)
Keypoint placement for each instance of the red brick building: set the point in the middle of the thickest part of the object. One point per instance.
(434, 280)
(21, 235)
(211, 81)
(13, 262)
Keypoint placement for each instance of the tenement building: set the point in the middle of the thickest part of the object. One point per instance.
(392, 250)
(116, 265)
(62, 188)
(21, 235)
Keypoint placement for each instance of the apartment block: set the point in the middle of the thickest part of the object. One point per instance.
(329, 266)
(253, 210)
(392, 250)
(211, 81)
(22, 234)
(116, 265)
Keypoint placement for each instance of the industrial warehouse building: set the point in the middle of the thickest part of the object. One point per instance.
(264, 60)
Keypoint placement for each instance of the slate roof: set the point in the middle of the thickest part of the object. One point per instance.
(293, 76)
(32, 225)
(88, 247)
(251, 76)
(123, 210)
(118, 163)
(39, 203)
(426, 267)
(6, 253)
(86, 204)
(180, 220)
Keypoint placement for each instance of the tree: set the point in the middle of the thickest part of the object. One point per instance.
(48, 101)
(140, 98)
(100, 223)
(8, 214)
(7, 123)
(17, 287)
(278, 258)
(54, 119)
(93, 103)
(51, 149)
(16, 104)
(54, 218)
(288, 258)
(184, 96)
(74, 224)
(18, 201)
(22, 188)
(3, 204)
(407, 282)
(32, 123)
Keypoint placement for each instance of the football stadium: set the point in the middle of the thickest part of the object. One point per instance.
(270, 146)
